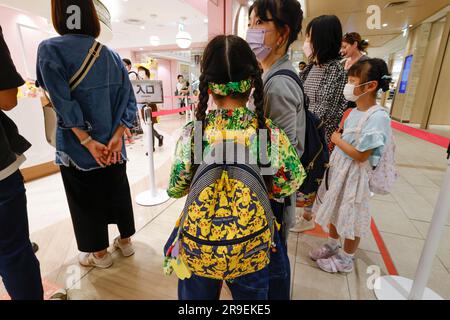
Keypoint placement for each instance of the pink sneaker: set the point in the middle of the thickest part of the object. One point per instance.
(336, 264)
(323, 252)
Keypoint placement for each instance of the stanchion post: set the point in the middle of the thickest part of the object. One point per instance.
(400, 288)
(153, 196)
(434, 237)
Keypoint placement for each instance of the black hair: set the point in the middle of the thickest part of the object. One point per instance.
(228, 58)
(180, 76)
(302, 62)
(147, 72)
(127, 62)
(284, 13)
(326, 38)
(353, 37)
(372, 70)
(90, 23)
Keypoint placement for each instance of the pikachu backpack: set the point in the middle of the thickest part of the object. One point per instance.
(226, 229)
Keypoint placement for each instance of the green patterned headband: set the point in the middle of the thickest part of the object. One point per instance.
(231, 87)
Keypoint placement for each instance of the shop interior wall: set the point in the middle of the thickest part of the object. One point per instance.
(440, 114)
(28, 114)
(399, 103)
(426, 75)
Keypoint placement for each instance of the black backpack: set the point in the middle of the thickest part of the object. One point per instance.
(316, 156)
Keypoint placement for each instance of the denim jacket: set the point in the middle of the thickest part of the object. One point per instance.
(104, 99)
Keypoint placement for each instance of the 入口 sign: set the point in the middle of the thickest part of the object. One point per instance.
(148, 91)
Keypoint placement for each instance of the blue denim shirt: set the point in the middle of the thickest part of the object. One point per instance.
(104, 99)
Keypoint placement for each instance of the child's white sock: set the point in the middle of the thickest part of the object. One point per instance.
(333, 243)
(346, 256)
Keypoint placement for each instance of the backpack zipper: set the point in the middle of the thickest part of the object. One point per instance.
(224, 242)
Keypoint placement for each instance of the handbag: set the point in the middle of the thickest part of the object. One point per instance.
(50, 115)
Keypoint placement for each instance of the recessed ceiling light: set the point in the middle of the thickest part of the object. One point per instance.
(141, 49)
(410, 25)
(143, 27)
(385, 25)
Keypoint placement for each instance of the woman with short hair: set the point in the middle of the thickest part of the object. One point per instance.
(92, 119)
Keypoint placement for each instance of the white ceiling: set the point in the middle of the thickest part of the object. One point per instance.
(164, 25)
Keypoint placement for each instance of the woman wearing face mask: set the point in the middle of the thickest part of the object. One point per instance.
(273, 26)
(324, 80)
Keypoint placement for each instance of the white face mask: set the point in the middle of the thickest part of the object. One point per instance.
(307, 49)
(349, 92)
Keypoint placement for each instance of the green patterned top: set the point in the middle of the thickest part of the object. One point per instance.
(239, 124)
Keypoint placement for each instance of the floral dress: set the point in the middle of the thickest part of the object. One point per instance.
(343, 198)
(239, 124)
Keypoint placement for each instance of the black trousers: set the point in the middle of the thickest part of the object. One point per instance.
(19, 267)
(96, 199)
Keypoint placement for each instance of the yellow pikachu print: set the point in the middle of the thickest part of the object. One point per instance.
(232, 231)
(222, 250)
(205, 195)
(221, 266)
(207, 259)
(205, 227)
(217, 233)
(246, 198)
(195, 213)
(244, 217)
(223, 200)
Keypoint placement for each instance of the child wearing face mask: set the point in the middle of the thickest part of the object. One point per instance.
(343, 198)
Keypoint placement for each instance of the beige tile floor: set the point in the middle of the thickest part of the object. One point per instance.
(403, 219)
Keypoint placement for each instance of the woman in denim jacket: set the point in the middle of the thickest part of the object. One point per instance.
(89, 140)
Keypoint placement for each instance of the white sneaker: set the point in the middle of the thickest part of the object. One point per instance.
(126, 249)
(303, 225)
(90, 260)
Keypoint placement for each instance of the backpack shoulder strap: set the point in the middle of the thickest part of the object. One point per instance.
(92, 56)
(294, 76)
(365, 118)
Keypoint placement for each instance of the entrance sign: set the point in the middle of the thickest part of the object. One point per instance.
(148, 91)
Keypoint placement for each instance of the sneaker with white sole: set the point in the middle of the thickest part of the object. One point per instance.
(335, 264)
(126, 249)
(303, 225)
(323, 252)
(90, 260)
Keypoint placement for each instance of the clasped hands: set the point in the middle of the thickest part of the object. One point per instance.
(107, 155)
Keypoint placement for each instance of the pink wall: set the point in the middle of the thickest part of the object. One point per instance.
(167, 73)
(9, 20)
(216, 17)
(126, 53)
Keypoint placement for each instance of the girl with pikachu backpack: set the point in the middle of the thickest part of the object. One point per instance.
(227, 230)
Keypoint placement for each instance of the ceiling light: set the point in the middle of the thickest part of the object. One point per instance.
(155, 41)
(183, 38)
(205, 20)
(385, 25)
(142, 49)
(142, 27)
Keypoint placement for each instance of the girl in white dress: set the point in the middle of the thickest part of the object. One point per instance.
(342, 204)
